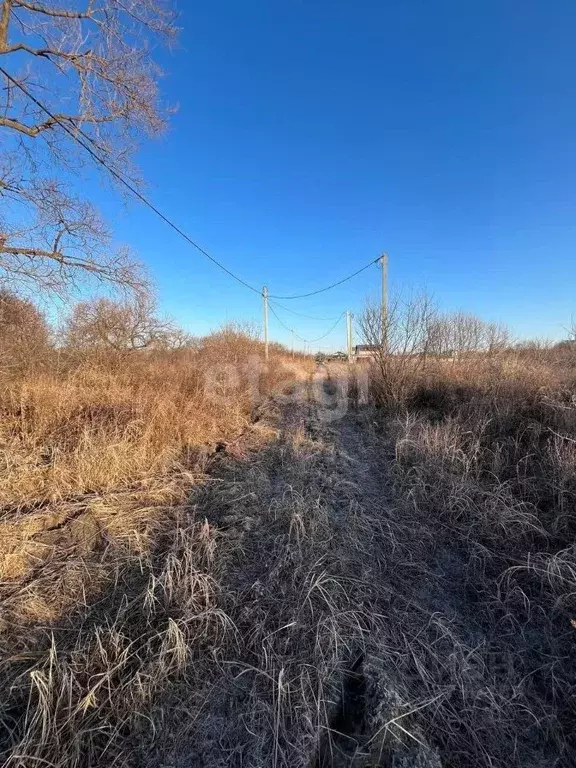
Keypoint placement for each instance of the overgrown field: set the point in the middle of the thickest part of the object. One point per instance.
(203, 564)
(100, 452)
(484, 475)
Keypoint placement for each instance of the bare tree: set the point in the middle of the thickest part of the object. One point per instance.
(408, 330)
(24, 333)
(497, 338)
(440, 337)
(461, 334)
(89, 62)
(120, 326)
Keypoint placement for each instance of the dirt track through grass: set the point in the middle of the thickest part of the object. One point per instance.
(300, 611)
(302, 545)
(369, 633)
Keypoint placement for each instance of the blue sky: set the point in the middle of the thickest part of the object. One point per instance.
(311, 136)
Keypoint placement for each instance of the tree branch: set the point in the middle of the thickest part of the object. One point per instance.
(27, 130)
(46, 53)
(34, 130)
(56, 13)
(101, 270)
(4, 22)
(102, 49)
(32, 252)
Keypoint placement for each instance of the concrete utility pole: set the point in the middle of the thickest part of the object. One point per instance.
(384, 310)
(349, 317)
(265, 299)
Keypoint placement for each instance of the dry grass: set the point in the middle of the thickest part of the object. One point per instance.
(104, 423)
(95, 451)
(217, 626)
(484, 486)
(395, 587)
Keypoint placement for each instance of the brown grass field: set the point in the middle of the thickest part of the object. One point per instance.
(193, 575)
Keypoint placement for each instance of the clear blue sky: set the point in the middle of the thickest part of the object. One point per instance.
(312, 135)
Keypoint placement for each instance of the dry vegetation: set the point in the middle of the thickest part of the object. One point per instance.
(482, 625)
(101, 447)
(195, 576)
(197, 571)
(84, 421)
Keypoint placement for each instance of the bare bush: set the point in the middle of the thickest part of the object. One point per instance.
(414, 337)
(234, 343)
(121, 326)
(460, 334)
(24, 334)
(400, 341)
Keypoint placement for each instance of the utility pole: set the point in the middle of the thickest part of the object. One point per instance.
(265, 299)
(349, 317)
(384, 306)
(292, 332)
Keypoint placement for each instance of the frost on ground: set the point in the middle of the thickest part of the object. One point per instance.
(300, 609)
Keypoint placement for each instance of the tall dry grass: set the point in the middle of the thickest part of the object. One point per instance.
(108, 580)
(485, 473)
(396, 588)
(112, 439)
(121, 602)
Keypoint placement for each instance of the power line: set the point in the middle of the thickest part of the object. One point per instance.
(328, 287)
(290, 330)
(101, 161)
(301, 338)
(300, 314)
(328, 332)
(122, 180)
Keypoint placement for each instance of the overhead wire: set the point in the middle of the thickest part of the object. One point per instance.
(75, 135)
(328, 332)
(301, 338)
(118, 176)
(283, 324)
(301, 314)
(328, 287)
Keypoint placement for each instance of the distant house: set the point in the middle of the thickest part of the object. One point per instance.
(366, 351)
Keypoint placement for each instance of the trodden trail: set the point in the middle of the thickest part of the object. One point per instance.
(304, 602)
(310, 564)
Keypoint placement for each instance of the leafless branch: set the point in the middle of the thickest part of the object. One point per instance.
(121, 326)
(90, 64)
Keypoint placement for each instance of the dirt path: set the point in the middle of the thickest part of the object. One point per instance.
(291, 614)
(303, 543)
(301, 609)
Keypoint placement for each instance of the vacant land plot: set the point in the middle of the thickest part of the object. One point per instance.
(346, 581)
